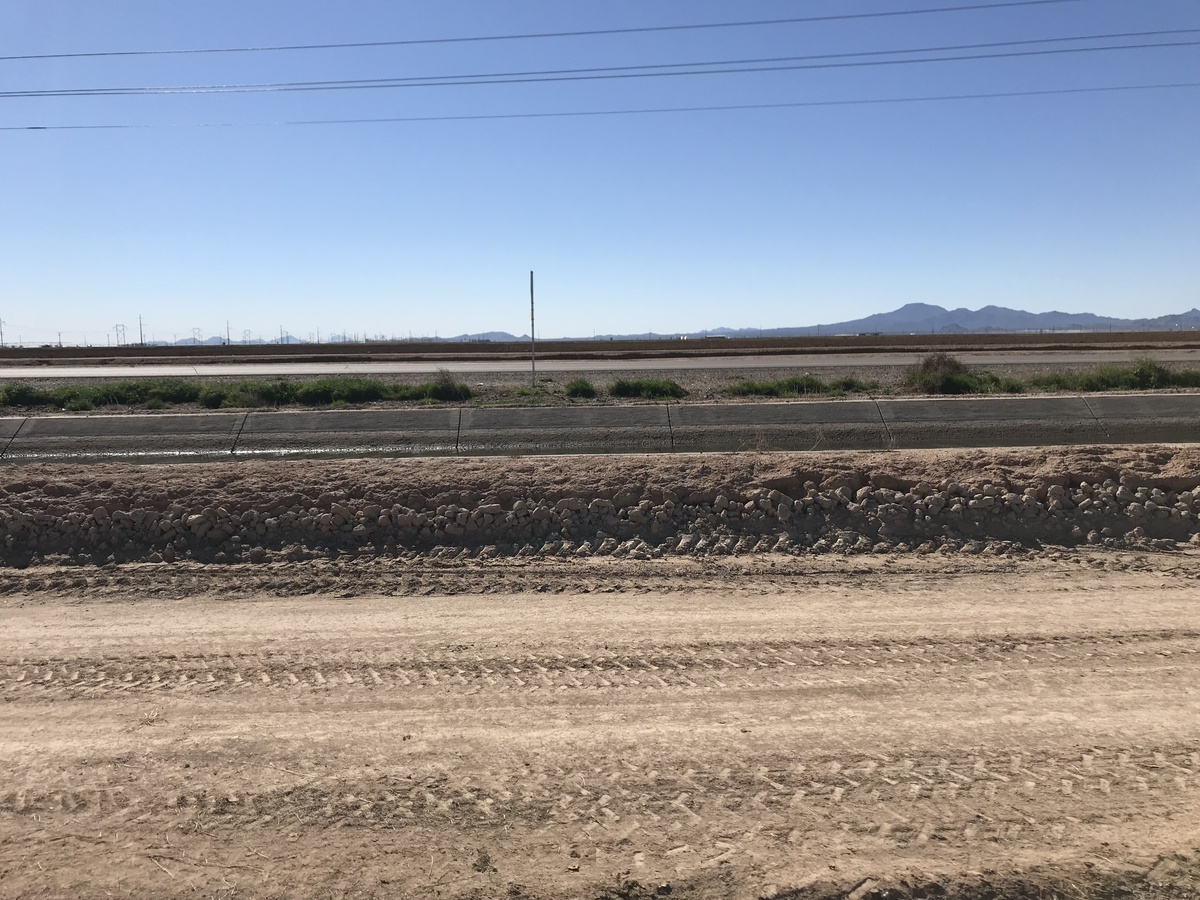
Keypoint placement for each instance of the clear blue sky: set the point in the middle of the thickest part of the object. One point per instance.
(658, 222)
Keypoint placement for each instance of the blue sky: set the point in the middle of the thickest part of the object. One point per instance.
(633, 223)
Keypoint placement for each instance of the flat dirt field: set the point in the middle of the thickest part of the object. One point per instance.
(968, 719)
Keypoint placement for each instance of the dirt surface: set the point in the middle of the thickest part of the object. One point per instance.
(634, 348)
(764, 724)
(1002, 502)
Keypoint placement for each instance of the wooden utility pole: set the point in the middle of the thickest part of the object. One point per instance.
(532, 344)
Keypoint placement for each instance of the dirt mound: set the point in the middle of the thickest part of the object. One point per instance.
(642, 506)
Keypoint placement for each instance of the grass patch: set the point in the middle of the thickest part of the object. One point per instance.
(167, 392)
(22, 395)
(354, 389)
(444, 388)
(799, 386)
(83, 397)
(247, 394)
(580, 389)
(1143, 375)
(647, 388)
(941, 373)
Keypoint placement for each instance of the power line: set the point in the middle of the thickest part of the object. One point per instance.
(775, 64)
(564, 114)
(596, 32)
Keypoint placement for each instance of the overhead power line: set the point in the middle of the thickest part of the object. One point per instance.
(730, 67)
(595, 32)
(566, 114)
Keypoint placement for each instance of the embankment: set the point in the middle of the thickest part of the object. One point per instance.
(996, 501)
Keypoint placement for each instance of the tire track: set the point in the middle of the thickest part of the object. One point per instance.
(956, 797)
(795, 664)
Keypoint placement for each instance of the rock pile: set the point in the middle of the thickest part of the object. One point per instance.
(834, 516)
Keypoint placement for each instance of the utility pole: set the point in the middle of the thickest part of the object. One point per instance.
(280, 335)
(532, 344)
(141, 333)
(1, 332)
(228, 340)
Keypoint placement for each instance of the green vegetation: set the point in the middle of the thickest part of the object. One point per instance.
(941, 373)
(580, 389)
(164, 393)
(647, 389)
(1143, 375)
(799, 386)
(937, 373)
(154, 392)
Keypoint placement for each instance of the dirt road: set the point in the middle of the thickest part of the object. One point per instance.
(596, 367)
(738, 727)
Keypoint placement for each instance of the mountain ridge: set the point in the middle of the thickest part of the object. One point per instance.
(912, 318)
(926, 318)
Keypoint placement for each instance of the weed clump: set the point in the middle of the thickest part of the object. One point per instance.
(325, 391)
(80, 398)
(647, 389)
(23, 395)
(167, 392)
(443, 388)
(799, 386)
(941, 373)
(1143, 375)
(580, 389)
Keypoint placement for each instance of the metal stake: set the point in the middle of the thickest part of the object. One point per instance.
(532, 345)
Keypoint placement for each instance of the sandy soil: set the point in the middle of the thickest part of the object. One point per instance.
(758, 725)
(761, 726)
(263, 484)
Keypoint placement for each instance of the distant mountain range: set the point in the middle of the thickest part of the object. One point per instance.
(912, 318)
(924, 318)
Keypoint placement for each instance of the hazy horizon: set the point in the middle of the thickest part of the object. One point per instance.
(132, 337)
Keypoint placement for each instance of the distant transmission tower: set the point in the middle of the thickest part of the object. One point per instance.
(246, 336)
(197, 334)
(120, 330)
